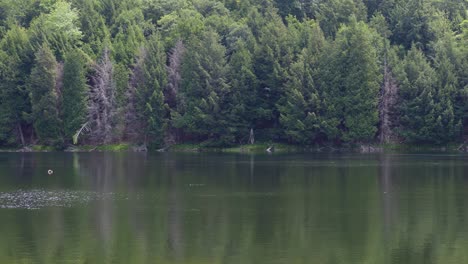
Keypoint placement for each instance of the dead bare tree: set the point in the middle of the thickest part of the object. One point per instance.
(388, 100)
(172, 88)
(102, 105)
(174, 76)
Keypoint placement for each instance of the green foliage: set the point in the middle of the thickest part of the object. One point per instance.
(58, 29)
(182, 24)
(350, 81)
(300, 106)
(114, 147)
(14, 68)
(42, 148)
(271, 59)
(409, 22)
(240, 100)
(44, 98)
(121, 78)
(290, 7)
(331, 14)
(425, 109)
(203, 88)
(93, 26)
(129, 27)
(302, 72)
(151, 78)
(73, 94)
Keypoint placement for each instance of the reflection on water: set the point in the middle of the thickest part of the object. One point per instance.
(205, 208)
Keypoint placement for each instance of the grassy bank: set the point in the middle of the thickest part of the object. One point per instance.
(254, 148)
(421, 148)
(251, 148)
(121, 147)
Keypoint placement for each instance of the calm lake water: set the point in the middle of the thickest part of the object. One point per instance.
(220, 208)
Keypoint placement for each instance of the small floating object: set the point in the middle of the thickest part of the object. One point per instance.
(50, 172)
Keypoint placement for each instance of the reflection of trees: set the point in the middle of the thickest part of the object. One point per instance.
(388, 194)
(262, 209)
(175, 216)
(100, 170)
(432, 212)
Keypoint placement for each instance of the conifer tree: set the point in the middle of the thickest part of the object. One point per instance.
(74, 94)
(241, 100)
(461, 101)
(418, 117)
(350, 79)
(300, 106)
(203, 88)
(447, 64)
(299, 71)
(58, 29)
(149, 79)
(121, 79)
(15, 61)
(331, 14)
(409, 22)
(271, 59)
(93, 26)
(44, 97)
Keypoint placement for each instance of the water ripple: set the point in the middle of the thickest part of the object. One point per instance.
(37, 199)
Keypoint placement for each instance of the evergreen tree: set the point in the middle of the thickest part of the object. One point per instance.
(150, 78)
(121, 78)
(74, 94)
(203, 89)
(271, 60)
(409, 22)
(127, 40)
(298, 71)
(331, 14)
(241, 99)
(418, 117)
(461, 101)
(290, 7)
(93, 26)
(183, 24)
(44, 98)
(58, 29)
(300, 106)
(447, 64)
(15, 61)
(349, 81)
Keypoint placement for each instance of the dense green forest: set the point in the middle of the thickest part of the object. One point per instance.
(224, 72)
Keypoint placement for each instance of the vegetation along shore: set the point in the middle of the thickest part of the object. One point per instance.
(104, 75)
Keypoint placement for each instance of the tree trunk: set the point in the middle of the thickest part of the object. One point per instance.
(252, 137)
(20, 131)
(388, 98)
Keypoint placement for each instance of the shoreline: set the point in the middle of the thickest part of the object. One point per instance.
(257, 148)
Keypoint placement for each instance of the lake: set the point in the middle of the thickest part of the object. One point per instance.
(226, 208)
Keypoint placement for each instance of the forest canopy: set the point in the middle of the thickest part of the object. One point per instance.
(217, 72)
